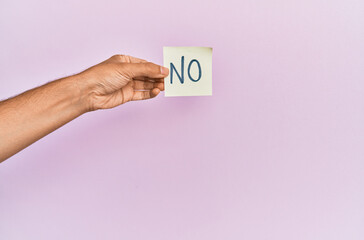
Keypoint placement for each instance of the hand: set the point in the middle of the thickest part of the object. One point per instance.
(121, 79)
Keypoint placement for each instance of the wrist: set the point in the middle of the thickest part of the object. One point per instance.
(79, 91)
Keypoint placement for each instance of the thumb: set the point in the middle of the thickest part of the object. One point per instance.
(147, 69)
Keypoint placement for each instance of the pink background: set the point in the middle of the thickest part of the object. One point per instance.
(276, 153)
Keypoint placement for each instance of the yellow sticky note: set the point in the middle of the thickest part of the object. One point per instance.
(190, 71)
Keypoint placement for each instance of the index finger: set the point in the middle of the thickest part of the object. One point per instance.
(149, 79)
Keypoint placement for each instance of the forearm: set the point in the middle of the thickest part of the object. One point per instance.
(31, 115)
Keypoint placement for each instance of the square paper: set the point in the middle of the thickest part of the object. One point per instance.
(190, 71)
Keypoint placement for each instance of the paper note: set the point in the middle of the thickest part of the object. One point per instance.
(190, 71)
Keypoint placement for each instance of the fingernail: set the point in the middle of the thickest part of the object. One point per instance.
(164, 70)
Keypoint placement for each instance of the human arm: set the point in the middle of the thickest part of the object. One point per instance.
(33, 114)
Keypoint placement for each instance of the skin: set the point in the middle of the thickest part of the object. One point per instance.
(33, 114)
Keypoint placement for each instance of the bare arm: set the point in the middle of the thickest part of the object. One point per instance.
(32, 115)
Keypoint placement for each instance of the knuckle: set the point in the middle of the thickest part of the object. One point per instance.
(128, 58)
(117, 57)
(148, 85)
(145, 85)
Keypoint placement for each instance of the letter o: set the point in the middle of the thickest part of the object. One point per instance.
(199, 70)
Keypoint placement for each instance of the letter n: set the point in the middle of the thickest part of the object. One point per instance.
(181, 77)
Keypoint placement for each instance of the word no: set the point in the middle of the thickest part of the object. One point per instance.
(181, 76)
